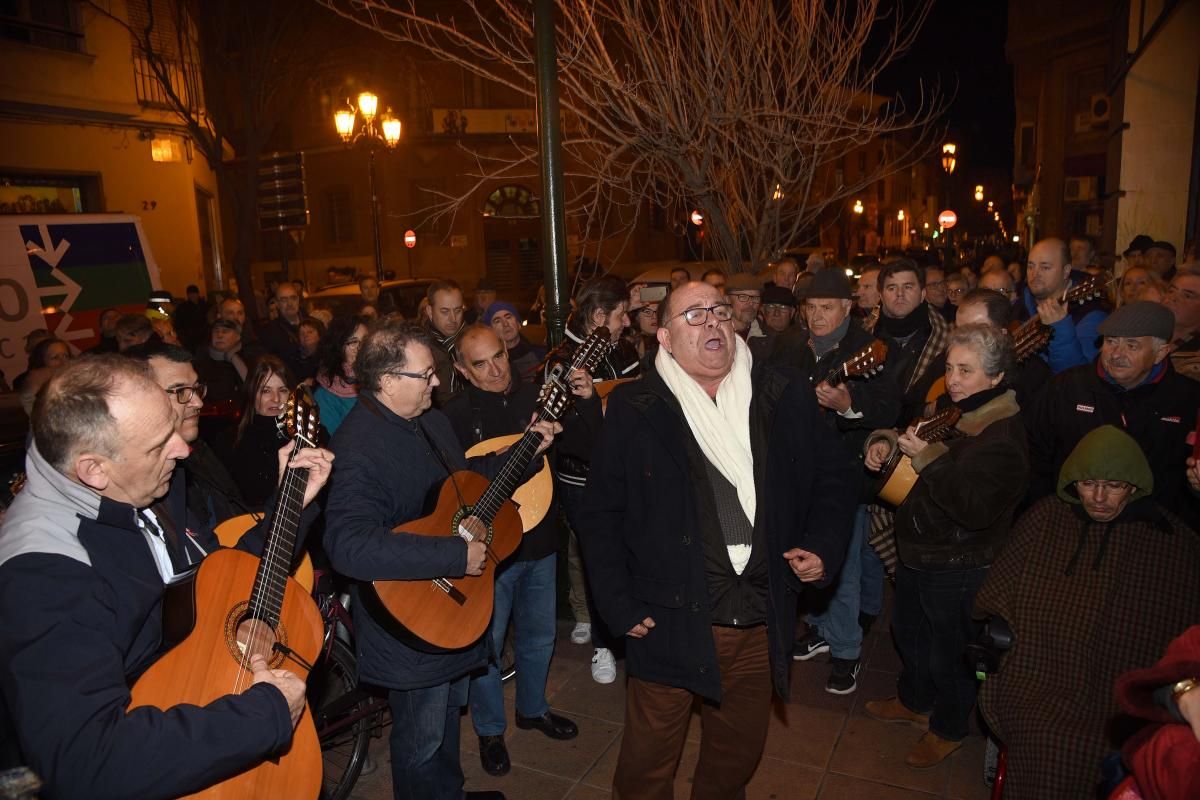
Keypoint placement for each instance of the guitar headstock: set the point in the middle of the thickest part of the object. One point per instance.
(554, 399)
(933, 427)
(867, 361)
(1092, 287)
(591, 350)
(301, 419)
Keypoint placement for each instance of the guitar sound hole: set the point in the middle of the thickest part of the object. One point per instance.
(255, 637)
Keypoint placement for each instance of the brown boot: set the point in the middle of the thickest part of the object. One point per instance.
(892, 710)
(930, 751)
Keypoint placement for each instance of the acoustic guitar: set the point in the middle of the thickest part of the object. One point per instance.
(243, 606)
(229, 533)
(898, 473)
(533, 497)
(454, 613)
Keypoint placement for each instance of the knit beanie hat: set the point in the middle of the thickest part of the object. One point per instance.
(498, 306)
(1106, 454)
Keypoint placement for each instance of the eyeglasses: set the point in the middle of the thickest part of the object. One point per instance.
(753, 299)
(776, 308)
(1111, 486)
(647, 311)
(183, 394)
(426, 376)
(722, 312)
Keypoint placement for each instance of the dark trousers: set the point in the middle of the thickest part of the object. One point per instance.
(424, 741)
(932, 626)
(732, 733)
(571, 497)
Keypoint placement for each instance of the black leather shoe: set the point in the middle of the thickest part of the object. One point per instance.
(551, 724)
(494, 755)
(485, 795)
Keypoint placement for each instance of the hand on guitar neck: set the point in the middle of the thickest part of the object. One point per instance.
(318, 462)
(285, 681)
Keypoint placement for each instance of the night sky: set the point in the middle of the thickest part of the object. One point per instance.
(962, 45)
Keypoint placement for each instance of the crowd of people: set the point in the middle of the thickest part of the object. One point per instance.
(1009, 449)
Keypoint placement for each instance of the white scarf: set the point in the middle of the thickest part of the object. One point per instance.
(722, 429)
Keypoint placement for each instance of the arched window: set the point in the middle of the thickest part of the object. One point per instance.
(512, 201)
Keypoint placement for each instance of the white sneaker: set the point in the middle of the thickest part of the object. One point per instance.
(581, 633)
(604, 666)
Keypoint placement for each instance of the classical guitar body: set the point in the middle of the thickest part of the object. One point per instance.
(533, 497)
(231, 530)
(207, 666)
(900, 477)
(453, 613)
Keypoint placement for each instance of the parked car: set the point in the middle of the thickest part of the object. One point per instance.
(403, 295)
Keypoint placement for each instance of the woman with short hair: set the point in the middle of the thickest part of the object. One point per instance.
(949, 529)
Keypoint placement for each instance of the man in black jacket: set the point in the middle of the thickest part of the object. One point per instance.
(85, 552)
(496, 403)
(1133, 386)
(852, 409)
(702, 521)
(394, 453)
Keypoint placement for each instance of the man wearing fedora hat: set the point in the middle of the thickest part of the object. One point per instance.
(853, 409)
(1131, 385)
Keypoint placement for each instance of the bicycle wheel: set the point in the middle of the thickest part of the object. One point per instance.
(343, 718)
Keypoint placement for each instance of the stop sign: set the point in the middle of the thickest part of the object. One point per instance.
(947, 219)
(410, 238)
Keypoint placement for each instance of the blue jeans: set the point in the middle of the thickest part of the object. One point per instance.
(859, 589)
(524, 592)
(571, 497)
(932, 626)
(424, 741)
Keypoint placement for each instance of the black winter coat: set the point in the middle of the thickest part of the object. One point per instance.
(643, 544)
(387, 473)
(960, 510)
(1158, 415)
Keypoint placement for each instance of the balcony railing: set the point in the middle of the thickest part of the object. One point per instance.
(151, 92)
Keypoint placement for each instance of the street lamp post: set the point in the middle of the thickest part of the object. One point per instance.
(949, 161)
(387, 132)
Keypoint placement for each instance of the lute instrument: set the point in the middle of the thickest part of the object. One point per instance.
(867, 361)
(898, 473)
(244, 606)
(452, 613)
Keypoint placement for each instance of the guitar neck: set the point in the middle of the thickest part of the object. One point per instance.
(509, 477)
(266, 599)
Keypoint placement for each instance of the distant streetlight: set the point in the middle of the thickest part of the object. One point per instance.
(1016, 238)
(777, 195)
(697, 218)
(926, 226)
(387, 132)
(858, 207)
(948, 159)
(979, 193)
(900, 215)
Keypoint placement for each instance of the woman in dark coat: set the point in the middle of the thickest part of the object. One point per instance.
(948, 530)
(1095, 581)
(255, 463)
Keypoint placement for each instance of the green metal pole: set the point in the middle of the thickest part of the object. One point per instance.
(554, 221)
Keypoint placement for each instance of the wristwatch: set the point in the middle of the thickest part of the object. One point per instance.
(1180, 688)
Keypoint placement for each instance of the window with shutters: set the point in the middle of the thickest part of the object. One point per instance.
(42, 23)
(160, 21)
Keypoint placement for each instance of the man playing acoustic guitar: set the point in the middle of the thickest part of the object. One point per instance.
(83, 566)
(394, 452)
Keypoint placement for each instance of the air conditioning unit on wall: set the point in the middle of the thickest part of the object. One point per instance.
(1096, 117)
(1079, 190)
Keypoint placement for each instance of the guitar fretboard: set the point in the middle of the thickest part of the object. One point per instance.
(266, 599)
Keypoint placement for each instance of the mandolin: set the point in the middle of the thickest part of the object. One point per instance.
(245, 605)
(867, 361)
(898, 473)
(454, 613)
(1031, 336)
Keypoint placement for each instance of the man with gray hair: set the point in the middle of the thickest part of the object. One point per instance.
(1131, 385)
(702, 520)
(85, 552)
